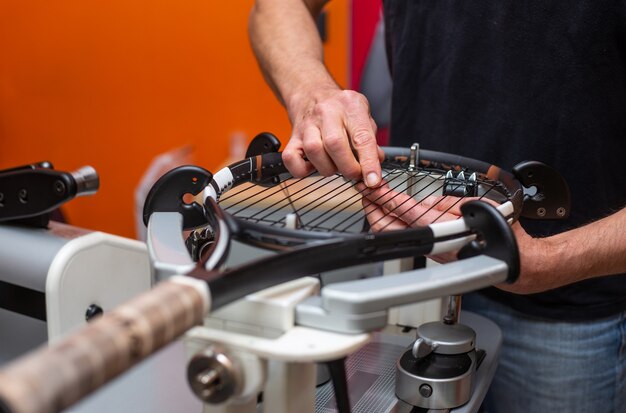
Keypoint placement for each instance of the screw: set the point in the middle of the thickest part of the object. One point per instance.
(212, 376)
(59, 187)
(93, 311)
(425, 391)
(208, 382)
(23, 195)
(541, 212)
(560, 212)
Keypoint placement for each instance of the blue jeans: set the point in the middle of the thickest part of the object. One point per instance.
(551, 366)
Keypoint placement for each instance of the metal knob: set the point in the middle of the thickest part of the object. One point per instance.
(213, 376)
(87, 180)
(421, 348)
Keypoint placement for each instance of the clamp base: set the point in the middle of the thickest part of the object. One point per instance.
(443, 378)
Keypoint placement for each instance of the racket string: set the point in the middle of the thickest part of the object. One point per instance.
(423, 175)
(432, 207)
(448, 209)
(255, 192)
(326, 214)
(303, 193)
(323, 201)
(331, 213)
(293, 207)
(272, 206)
(357, 215)
(290, 201)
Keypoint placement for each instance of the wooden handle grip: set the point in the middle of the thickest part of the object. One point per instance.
(54, 377)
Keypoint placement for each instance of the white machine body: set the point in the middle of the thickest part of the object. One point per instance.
(64, 270)
(275, 355)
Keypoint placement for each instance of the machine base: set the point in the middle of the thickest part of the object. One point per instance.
(371, 376)
(371, 372)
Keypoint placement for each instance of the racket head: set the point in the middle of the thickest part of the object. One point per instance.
(259, 193)
(309, 249)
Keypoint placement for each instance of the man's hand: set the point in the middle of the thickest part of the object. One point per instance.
(386, 209)
(333, 132)
(332, 128)
(389, 210)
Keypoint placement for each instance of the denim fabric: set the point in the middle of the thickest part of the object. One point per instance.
(550, 366)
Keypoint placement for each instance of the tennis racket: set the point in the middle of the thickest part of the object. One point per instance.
(318, 223)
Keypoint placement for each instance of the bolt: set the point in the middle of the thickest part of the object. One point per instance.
(426, 391)
(59, 187)
(208, 382)
(212, 376)
(541, 212)
(93, 311)
(208, 377)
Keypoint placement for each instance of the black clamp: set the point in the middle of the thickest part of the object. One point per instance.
(551, 198)
(264, 142)
(29, 193)
(460, 185)
(167, 195)
(494, 237)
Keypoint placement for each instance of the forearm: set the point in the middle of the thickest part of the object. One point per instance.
(287, 45)
(590, 251)
(332, 130)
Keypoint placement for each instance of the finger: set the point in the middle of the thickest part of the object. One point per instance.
(381, 153)
(389, 212)
(337, 145)
(406, 208)
(444, 257)
(294, 159)
(373, 125)
(380, 220)
(445, 203)
(363, 139)
(452, 204)
(316, 153)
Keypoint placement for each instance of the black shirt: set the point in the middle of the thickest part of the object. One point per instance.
(514, 80)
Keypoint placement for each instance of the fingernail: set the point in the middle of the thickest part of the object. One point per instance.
(372, 179)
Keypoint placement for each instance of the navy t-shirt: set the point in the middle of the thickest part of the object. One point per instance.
(506, 81)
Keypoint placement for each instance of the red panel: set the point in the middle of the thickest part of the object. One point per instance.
(365, 16)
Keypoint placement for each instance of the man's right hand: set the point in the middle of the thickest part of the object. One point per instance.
(332, 128)
(333, 131)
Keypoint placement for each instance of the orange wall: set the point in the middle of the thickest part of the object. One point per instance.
(114, 83)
